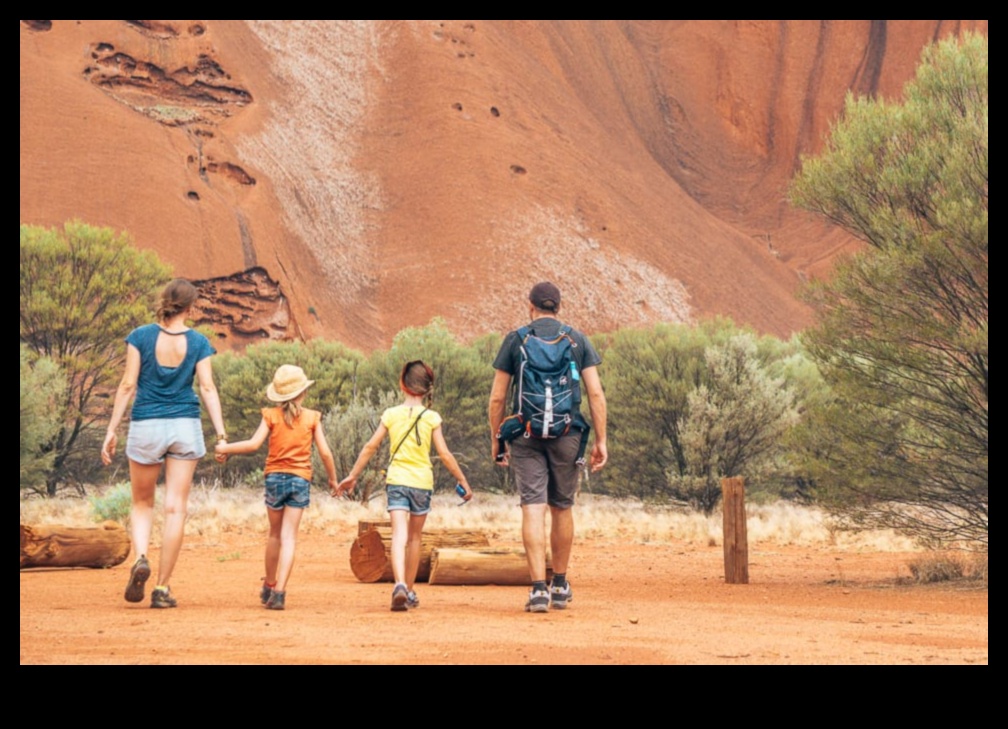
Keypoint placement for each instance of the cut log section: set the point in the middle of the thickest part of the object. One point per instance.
(490, 566)
(370, 553)
(55, 545)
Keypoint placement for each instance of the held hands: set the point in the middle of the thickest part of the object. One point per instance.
(220, 451)
(345, 486)
(108, 448)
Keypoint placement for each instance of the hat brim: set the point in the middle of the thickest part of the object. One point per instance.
(273, 396)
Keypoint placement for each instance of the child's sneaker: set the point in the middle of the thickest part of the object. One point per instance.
(276, 600)
(162, 598)
(560, 596)
(264, 593)
(412, 601)
(139, 575)
(538, 601)
(400, 596)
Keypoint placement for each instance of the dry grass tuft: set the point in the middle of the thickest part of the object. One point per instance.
(949, 567)
(214, 510)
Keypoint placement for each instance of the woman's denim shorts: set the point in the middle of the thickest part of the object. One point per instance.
(150, 441)
(286, 489)
(406, 498)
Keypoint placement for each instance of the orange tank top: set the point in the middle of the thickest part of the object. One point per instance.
(290, 446)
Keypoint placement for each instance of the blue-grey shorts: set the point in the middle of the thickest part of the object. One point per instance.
(406, 498)
(151, 441)
(286, 489)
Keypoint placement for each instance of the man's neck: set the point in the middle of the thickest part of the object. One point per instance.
(536, 314)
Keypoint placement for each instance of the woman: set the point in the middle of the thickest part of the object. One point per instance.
(162, 361)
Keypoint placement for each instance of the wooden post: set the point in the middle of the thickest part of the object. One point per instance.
(736, 540)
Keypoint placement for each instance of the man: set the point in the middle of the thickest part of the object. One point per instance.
(546, 470)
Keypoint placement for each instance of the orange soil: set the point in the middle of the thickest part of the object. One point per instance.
(634, 604)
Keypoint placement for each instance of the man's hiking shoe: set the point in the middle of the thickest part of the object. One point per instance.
(538, 601)
(560, 596)
(162, 598)
(264, 593)
(139, 575)
(400, 596)
(276, 600)
(412, 601)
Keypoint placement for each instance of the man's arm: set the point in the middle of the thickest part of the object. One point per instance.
(498, 409)
(597, 406)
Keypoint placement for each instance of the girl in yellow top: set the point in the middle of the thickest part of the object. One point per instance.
(291, 429)
(411, 427)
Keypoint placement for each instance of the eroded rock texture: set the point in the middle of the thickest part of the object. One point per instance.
(384, 173)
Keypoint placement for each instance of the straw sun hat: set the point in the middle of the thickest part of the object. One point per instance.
(288, 382)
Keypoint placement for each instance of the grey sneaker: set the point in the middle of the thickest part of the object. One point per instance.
(538, 601)
(400, 596)
(264, 592)
(276, 600)
(560, 596)
(412, 601)
(139, 575)
(162, 598)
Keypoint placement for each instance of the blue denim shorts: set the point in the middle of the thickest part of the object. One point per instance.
(286, 489)
(406, 498)
(150, 441)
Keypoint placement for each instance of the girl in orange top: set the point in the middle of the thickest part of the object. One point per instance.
(291, 429)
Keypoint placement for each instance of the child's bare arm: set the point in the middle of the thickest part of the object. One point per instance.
(326, 454)
(245, 446)
(448, 459)
(367, 452)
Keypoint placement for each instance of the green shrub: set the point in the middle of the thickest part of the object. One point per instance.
(113, 504)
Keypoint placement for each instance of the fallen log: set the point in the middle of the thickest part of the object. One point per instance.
(55, 545)
(485, 566)
(370, 552)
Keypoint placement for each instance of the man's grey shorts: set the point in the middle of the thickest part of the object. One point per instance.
(150, 441)
(545, 470)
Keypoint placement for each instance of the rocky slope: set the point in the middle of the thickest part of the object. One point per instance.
(347, 179)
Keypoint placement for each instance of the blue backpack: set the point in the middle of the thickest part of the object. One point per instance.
(547, 398)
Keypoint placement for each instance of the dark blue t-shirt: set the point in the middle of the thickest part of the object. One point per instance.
(167, 392)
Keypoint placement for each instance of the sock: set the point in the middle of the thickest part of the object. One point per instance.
(560, 580)
(539, 586)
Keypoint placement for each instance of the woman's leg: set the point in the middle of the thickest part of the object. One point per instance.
(400, 535)
(178, 483)
(276, 517)
(288, 538)
(143, 482)
(416, 524)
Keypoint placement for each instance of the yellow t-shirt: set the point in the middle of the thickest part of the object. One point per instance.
(411, 464)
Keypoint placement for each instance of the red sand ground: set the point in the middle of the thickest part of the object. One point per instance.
(634, 604)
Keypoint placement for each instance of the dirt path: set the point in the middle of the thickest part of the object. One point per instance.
(634, 603)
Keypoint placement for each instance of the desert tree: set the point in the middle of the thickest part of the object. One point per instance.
(83, 289)
(902, 326)
(42, 390)
(734, 424)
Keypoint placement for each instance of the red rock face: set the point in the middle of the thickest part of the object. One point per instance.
(378, 174)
